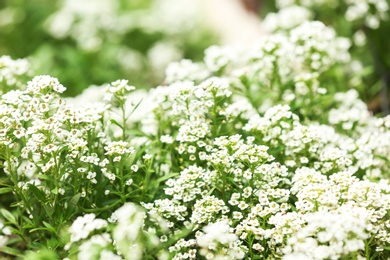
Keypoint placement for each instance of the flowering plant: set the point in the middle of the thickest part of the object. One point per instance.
(365, 22)
(262, 153)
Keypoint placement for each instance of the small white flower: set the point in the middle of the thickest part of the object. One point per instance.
(134, 167)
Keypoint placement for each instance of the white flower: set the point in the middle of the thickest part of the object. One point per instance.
(134, 167)
(129, 182)
(83, 226)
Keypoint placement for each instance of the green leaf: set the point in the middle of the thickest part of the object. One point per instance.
(49, 210)
(166, 177)
(374, 256)
(37, 193)
(50, 227)
(16, 231)
(114, 122)
(211, 191)
(73, 250)
(8, 215)
(74, 200)
(52, 243)
(109, 202)
(385, 158)
(41, 254)
(45, 177)
(40, 229)
(137, 132)
(10, 251)
(135, 107)
(28, 226)
(72, 205)
(144, 148)
(15, 204)
(5, 190)
(54, 191)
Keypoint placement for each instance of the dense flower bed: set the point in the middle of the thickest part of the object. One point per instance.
(260, 153)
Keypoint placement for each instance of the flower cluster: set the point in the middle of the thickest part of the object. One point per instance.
(83, 226)
(329, 235)
(118, 90)
(12, 72)
(287, 18)
(370, 12)
(218, 242)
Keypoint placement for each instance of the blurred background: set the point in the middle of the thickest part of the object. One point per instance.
(92, 42)
(84, 42)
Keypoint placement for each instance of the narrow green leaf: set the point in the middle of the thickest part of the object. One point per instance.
(109, 202)
(114, 122)
(10, 251)
(374, 256)
(16, 232)
(28, 226)
(49, 227)
(74, 200)
(5, 190)
(72, 205)
(15, 204)
(211, 191)
(166, 177)
(8, 215)
(135, 107)
(49, 210)
(37, 193)
(14, 240)
(137, 132)
(40, 229)
(45, 177)
(143, 148)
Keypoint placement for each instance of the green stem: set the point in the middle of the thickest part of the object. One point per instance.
(14, 178)
(121, 180)
(367, 249)
(146, 181)
(102, 209)
(124, 122)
